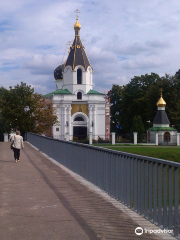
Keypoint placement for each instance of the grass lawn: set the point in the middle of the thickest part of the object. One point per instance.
(167, 153)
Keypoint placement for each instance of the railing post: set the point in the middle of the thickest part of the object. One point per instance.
(5, 137)
(156, 140)
(178, 139)
(90, 137)
(176, 201)
(135, 137)
(113, 138)
(67, 136)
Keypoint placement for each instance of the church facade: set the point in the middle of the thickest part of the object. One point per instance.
(80, 109)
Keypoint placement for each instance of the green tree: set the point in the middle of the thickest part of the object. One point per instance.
(172, 98)
(135, 100)
(177, 75)
(115, 98)
(21, 108)
(139, 97)
(137, 126)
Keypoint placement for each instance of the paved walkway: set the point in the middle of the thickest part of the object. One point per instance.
(40, 200)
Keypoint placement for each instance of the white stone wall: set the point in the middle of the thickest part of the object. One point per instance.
(160, 125)
(70, 79)
(89, 98)
(173, 137)
(96, 114)
(100, 127)
(59, 83)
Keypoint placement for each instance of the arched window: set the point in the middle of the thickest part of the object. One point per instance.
(79, 76)
(78, 119)
(166, 137)
(79, 95)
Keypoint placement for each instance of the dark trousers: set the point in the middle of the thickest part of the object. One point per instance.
(16, 153)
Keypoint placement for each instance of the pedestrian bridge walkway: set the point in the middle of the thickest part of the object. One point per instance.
(41, 199)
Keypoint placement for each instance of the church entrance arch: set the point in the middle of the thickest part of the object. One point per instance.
(79, 132)
(167, 137)
(80, 125)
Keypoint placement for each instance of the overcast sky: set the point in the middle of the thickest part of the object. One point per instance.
(122, 38)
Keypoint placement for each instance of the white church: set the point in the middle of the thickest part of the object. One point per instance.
(80, 109)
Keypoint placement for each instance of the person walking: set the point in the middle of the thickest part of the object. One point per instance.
(17, 145)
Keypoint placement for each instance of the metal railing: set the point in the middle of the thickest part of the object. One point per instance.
(149, 186)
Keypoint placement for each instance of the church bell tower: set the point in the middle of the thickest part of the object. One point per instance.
(75, 74)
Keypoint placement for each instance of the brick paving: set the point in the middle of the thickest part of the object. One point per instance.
(39, 200)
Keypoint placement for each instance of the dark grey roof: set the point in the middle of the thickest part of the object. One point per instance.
(77, 55)
(161, 118)
(58, 72)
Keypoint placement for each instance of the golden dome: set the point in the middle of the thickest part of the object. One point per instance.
(161, 102)
(77, 25)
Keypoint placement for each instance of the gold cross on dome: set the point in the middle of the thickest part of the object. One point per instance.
(161, 91)
(77, 11)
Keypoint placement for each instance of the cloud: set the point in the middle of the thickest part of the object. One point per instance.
(152, 47)
(42, 64)
(144, 63)
(100, 56)
(121, 39)
(94, 40)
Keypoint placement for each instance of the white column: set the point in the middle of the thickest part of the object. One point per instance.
(90, 137)
(67, 136)
(94, 122)
(90, 119)
(64, 124)
(178, 134)
(135, 137)
(113, 138)
(61, 122)
(69, 120)
(156, 142)
(5, 137)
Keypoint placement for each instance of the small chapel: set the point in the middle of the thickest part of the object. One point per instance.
(80, 109)
(167, 135)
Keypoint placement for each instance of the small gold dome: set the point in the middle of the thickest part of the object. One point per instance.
(161, 102)
(77, 25)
